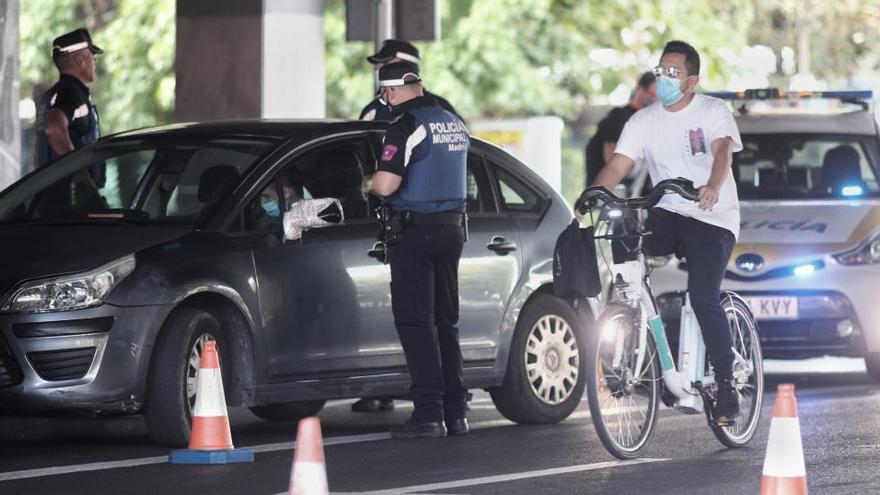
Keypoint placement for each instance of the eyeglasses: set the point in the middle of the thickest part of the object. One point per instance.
(673, 72)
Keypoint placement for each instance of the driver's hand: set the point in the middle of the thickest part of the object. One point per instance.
(708, 197)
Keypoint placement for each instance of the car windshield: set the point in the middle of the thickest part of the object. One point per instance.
(132, 180)
(803, 166)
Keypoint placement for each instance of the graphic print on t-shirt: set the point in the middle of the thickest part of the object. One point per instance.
(696, 142)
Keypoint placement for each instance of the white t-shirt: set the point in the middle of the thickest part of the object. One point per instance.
(679, 144)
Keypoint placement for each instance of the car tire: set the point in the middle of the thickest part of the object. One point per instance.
(527, 395)
(872, 363)
(292, 411)
(167, 409)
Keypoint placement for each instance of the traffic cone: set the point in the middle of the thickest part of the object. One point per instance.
(784, 471)
(211, 438)
(309, 474)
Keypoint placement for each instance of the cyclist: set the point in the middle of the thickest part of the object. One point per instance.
(692, 136)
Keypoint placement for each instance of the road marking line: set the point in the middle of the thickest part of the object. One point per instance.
(145, 461)
(263, 448)
(485, 480)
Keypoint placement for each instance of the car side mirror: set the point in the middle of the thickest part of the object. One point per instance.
(309, 214)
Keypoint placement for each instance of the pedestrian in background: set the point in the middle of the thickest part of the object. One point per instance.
(422, 177)
(66, 117)
(601, 146)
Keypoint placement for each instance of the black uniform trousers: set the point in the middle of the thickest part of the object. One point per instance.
(424, 299)
(707, 249)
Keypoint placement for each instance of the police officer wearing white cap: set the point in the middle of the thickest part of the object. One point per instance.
(66, 118)
(378, 109)
(421, 176)
(396, 51)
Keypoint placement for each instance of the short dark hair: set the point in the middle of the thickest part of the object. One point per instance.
(647, 79)
(691, 57)
(65, 62)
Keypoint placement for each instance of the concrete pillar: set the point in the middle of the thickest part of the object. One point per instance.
(249, 59)
(10, 126)
(293, 83)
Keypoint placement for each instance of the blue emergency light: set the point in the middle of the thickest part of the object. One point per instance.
(781, 94)
(851, 191)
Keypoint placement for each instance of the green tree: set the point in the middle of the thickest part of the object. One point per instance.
(515, 58)
(135, 85)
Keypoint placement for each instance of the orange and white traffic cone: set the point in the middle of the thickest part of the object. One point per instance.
(784, 471)
(211, 438)
(309, 474)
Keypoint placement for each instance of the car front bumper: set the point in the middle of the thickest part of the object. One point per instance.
(827, 300)
(90, 360)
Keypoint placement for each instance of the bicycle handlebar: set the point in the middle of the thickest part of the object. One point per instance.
(683, 187)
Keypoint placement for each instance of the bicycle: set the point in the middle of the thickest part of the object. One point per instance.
(625, 366)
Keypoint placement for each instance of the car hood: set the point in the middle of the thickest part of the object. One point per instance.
(789, 232)
(36, 251)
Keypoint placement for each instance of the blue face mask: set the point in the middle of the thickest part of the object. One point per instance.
(272, 209)
(669, 90)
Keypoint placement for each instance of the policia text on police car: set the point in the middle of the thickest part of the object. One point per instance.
(421, 176)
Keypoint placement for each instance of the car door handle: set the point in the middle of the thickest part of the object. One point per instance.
(501, 245)
(378, 252)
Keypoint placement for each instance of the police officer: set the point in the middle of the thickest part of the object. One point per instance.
(421, 176)
(67, 119)
(378, 109)
(395, 51)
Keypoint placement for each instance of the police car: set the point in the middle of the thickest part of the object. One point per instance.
(808, 253)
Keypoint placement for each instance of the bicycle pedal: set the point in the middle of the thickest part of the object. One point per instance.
(723, 423)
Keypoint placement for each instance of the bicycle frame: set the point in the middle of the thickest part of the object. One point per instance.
(632, 281)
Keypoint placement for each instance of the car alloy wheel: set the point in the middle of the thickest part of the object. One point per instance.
(552, 360)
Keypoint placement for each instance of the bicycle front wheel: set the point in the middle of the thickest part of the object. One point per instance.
(748, 372)
(623, 399)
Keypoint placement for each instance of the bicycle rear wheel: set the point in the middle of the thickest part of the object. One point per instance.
(623, 400)
(750, 378)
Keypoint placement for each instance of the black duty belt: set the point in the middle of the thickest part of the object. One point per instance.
(443, 218)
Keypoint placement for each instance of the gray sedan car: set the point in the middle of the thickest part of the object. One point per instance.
(118, 258)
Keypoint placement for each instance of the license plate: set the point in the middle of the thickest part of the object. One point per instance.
(773, 307)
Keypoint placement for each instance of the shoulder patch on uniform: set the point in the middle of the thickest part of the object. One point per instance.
(81, 111)
(389, 152)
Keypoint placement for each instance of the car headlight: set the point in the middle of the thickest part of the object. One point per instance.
(67, 292)
(866, 254)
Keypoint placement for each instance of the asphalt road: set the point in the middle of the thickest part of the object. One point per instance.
(839, 417)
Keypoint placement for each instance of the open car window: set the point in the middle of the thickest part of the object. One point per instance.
(333, 170)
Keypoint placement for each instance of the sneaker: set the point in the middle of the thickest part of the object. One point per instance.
(373, 405)
(727, 401)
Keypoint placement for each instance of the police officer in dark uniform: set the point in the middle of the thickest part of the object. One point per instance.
(66, 118)
(396, 51)
(421, 176)
(378, 109)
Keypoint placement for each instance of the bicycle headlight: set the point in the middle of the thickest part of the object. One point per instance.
(67, 292)
(866, 254)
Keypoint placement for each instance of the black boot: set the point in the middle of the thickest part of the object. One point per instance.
(727, 400)
(418, 429)
(457, 427)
